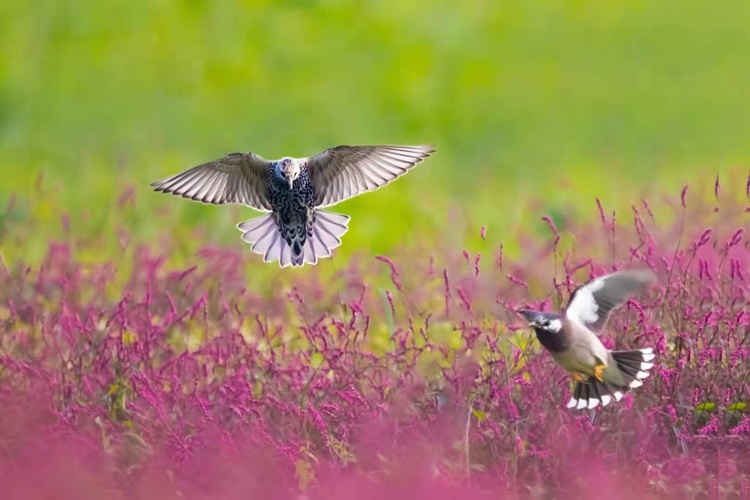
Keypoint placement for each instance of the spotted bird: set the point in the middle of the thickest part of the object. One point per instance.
(573, 341)
(294, 190)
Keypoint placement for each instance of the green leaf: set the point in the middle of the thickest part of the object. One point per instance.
(705, 406)
(480, 415)
(316, 360)
(455, 340)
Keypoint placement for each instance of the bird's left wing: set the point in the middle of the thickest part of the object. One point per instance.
(591, 303)
(345, 171)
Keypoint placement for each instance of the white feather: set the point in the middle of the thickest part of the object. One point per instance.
(256, 229)
(583, 308)
(318, 245)
(274, 250)
(648, 354)
(285, 258)
(309, 252)
(265, 242)
(264, 237)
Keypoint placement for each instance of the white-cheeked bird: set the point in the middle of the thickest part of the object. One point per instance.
(572, 338)
(293, 190)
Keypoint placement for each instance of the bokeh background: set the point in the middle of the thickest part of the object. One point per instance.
(117, 302)
(536, 108)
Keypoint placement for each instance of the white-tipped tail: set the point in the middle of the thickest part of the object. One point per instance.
(648, 354)
(263, 234)
(634, 366)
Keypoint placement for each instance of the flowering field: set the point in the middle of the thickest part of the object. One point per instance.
(407, 375)
(146, 352)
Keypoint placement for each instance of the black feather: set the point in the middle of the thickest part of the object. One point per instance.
(629, 364)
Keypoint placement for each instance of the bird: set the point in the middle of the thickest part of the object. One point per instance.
(292, 192)
(572, 338)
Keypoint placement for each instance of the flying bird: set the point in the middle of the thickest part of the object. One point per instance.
(573, 341)
(294, 190)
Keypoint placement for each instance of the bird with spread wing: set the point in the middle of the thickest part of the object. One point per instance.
(573, 340)
(293, 190)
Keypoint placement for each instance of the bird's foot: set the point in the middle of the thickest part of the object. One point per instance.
(578, 377)
(598, 371)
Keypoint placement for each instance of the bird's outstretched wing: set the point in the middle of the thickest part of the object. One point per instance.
(240, 178)
(591, 303)
(345, 171)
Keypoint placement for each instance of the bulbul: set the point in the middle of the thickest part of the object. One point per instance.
(572, 339)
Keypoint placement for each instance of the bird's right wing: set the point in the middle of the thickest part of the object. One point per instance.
(591, 303)
(345, 171)
(240, 178)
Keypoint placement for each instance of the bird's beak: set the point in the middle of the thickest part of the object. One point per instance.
(530, 316)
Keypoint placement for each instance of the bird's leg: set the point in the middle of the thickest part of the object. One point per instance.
(578, 377)
(599, 370)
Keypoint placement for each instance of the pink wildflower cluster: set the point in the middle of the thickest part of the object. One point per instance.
(410, 377)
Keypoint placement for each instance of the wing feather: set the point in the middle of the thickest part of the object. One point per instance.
(591, 304)
(240, 178)
(346, 171)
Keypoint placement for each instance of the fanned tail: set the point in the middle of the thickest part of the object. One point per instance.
(326, 235)
(633, 365)
(263, 234)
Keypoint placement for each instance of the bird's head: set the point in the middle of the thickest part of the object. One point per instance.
(548, 322)
(287, 169)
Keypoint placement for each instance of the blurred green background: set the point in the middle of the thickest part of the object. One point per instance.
(550, 100)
